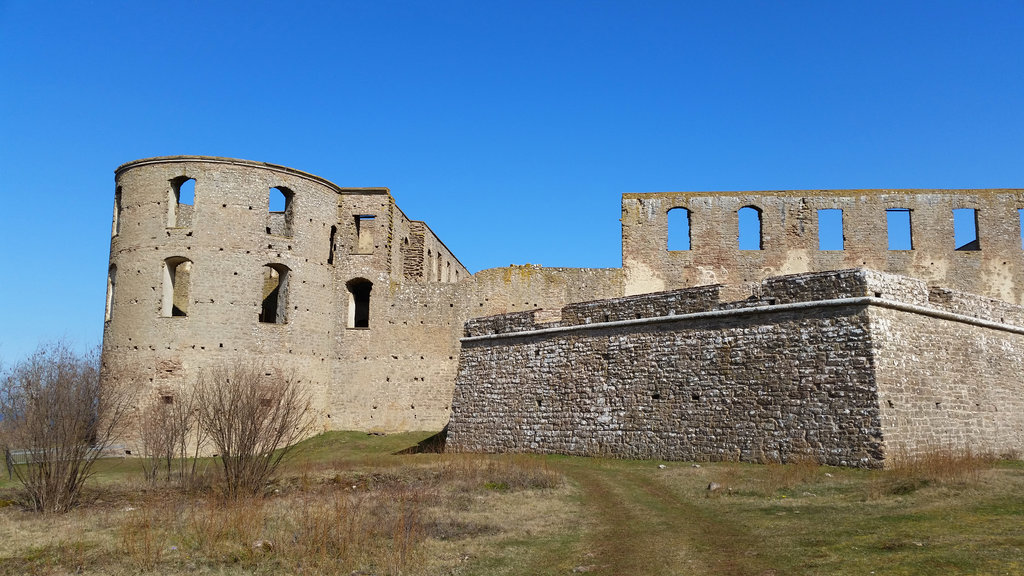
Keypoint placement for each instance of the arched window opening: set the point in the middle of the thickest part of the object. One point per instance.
(177, 281)
(280, 206)
(678, 229)
(447, 271)
(330, 249)
(359, 302)
(749, 222)
(430, 265)
(115, 229)
(830, 229)
(181, 198)
(111, 283)
(897, 221)
(965, 230)
(274, 294)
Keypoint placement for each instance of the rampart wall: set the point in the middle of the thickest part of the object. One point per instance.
(788, 239)
(847, 366)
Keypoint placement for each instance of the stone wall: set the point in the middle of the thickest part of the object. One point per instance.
(944, 384)
(192, 285)
(822, 364)
(789, 238)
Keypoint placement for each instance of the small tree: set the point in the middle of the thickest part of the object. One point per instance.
(154, 440)
(170, 433)
(56, 420)
(253, 417)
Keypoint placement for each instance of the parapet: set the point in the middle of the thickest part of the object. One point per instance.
(859, 286)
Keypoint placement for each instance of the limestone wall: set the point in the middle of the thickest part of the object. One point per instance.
(226, 242)
(948, 385)
(789, 238)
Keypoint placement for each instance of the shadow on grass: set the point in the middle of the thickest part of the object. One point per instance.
(431, 445)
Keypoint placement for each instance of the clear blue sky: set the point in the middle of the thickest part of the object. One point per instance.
(511, 127)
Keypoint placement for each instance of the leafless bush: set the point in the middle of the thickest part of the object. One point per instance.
(172, 439)
(253, 418)
(56, 420)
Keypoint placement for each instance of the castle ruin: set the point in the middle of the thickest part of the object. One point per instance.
(215, 259)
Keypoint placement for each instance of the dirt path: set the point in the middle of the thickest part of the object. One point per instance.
(642, 526)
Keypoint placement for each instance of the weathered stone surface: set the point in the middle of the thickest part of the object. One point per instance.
(396, 374)
(789, 238)
(223, 278)
(793, 373)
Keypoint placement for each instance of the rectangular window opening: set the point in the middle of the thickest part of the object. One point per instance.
(678, 229)
(116, 229)
(1020, 220)
(364, 233)
(965, 230)
(187, 192)
(280, 211)
(330, 246)
(830, 229)
(274, 306)
(898, 223)
(181, 198)
(177, 281)
(749, 228)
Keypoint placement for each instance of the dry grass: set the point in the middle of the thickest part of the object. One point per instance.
(908, 473)
(798, 471)
(348, 506)
(324, 518)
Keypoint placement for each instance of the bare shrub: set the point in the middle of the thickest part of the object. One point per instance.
(253, 418)
(56, 420)
(172, 439)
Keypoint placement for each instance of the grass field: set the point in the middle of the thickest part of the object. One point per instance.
(348, 504)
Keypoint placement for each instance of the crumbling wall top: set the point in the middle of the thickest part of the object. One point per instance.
(252, 164)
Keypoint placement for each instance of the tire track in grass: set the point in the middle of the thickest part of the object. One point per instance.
(643, 526)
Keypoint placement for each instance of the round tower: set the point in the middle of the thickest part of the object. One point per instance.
(216, 260)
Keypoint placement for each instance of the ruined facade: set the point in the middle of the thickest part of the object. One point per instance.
(334, 285)
(215, 259)
(787, 239)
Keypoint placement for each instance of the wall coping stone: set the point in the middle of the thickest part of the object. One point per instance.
(764, 309)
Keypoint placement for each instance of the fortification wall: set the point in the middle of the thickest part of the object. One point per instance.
(951, 384)
(822, 364)
(364, 306)
(789, 229)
